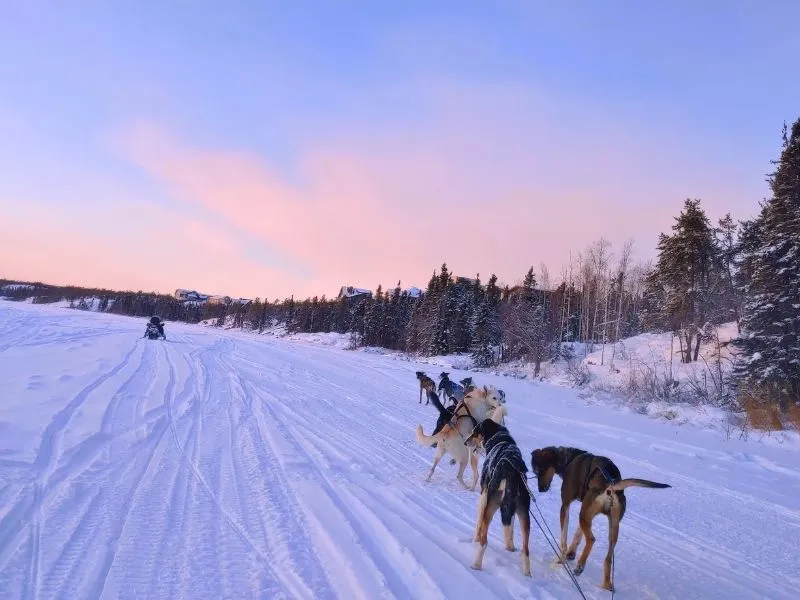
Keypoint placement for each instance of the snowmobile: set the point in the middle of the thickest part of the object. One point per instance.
(154, 329)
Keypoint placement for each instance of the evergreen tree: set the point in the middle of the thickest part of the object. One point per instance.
(771, 311)
(443, 313)
(482, 352)
(727, 243)
(462, 316)
(529, 285)
(681, 290)
(221, 318)
(487, 333)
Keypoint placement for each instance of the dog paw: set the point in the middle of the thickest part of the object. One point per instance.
(571, 555)
(526, 572)
(607, 586)
(511, 548)
(452, 461)
(475, 567)
(578, 570)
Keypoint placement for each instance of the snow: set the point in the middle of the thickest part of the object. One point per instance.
(218, 464)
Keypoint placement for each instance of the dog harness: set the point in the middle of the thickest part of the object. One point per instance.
(454, 421)
(589, 472)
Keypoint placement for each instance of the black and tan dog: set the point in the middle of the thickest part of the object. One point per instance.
(596, 482)
(426, 384)
(503, 487)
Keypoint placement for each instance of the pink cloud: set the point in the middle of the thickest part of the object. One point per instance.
(483, 195)
(490, 180)
(158, 250)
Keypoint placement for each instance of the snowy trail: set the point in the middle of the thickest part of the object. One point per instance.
(219, 465)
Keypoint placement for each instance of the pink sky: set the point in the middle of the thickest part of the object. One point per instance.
(274, 173)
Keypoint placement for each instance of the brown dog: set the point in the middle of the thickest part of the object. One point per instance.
(426, 384)
(597, 483)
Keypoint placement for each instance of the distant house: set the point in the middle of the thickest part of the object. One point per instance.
(219, 300)
(514, 292)
(190, 296)
(349, 292)
(227, 300)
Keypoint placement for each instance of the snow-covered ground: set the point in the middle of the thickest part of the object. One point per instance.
(224, 465)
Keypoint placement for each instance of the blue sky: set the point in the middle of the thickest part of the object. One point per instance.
(550, 124)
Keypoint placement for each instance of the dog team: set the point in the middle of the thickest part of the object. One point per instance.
(475, 420)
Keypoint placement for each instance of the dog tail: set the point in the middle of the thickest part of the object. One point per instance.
(633, 482)
(434, 398)
(428, 440)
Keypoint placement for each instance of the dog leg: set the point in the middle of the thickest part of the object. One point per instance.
(483, 537)
(436, 459)
(473, 462)
(525, 528)
(462, 466)
(585, 523)
(481, 508)
(564, 517)
(508, 534)
(573, 547)
(613, 534)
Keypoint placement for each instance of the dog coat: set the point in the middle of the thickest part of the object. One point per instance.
(500, 450)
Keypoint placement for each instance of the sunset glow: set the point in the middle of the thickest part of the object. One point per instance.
(275, 151)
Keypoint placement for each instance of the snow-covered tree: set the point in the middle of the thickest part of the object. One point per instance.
(682, 289)
(771, 257)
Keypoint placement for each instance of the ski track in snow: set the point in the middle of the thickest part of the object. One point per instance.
(220, 465)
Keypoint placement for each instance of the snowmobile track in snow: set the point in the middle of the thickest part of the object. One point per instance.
(222, 465)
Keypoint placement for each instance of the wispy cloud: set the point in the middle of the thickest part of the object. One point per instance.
(493, 180)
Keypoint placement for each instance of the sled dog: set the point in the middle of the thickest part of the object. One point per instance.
(450, 389)
(474, 408)
(426, 384)
(596, 482)
(503, 487)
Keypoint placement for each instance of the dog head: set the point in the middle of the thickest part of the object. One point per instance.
(491, 395)
(543, 465)
(494, 396)
(444, 375)
(482, 432)
(420, 375)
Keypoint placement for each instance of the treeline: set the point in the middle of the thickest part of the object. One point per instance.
(704, 275)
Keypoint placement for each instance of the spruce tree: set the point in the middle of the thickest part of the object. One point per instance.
(682, 290)
(729, 297)
(771, 311)
(529, 285)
